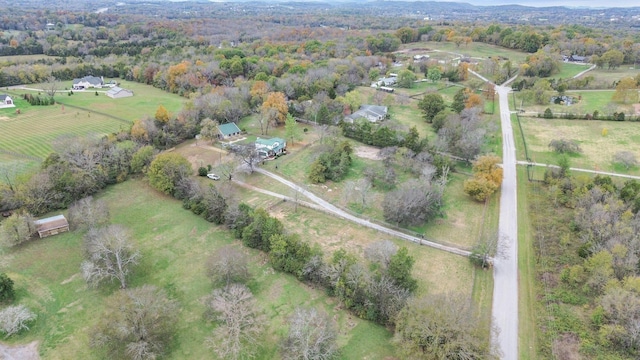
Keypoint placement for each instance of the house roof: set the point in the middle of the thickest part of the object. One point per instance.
(93, 80)
(273, 143)
(370, 112)
(51, 223)
(229, 129)
(3, 97)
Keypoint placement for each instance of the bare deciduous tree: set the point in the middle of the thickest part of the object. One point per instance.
(208, 129)
(51, 86)
(414, 203)
(358, 191)
(88, 213)
(490, 246)
(109, 255)
(563, 146)
(239, 322)
(247, 154)
(444, 327)
(228, 265)
(13, 319)
(312, 335)
(137, 324)
(566, 347)
(17, 229)
(626, 158)
(381, 252)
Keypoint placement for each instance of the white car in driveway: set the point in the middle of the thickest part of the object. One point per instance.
(213, 176)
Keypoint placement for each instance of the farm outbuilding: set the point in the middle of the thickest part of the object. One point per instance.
(118, 92)
(51, 225)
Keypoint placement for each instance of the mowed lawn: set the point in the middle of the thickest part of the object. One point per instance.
(569, 70)
(32, 132)
(145, 100)
(174, 245)
(477, 50)
(598, 150)
(586, 102)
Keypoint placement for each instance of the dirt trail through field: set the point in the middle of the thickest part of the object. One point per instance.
(19, 352)
(367, 152)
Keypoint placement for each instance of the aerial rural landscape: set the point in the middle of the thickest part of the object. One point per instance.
(311, 180)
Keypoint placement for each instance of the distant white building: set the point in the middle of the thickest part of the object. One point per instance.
(6, 101)
(372, 113)
(118, 92)
(388, 81)
(88, 82)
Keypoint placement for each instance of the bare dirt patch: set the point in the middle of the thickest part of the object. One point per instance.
(636, 107)
(4, 118)
(367, 152)
(19, 352)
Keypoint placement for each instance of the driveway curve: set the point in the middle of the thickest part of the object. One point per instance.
(345, 215)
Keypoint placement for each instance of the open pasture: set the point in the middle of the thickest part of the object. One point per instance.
(474, 49)
(586, 102)
(598, 150)
(607, 78)
(569, 70)
(145, 100)
(175, 245)
(32, 132)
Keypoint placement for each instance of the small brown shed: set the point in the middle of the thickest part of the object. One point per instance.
(51, 225)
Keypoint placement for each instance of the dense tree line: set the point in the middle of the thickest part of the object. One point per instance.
(587, 233)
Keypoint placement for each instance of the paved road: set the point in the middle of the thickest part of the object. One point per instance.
(582, 170)
(505, 268)
(343, 214)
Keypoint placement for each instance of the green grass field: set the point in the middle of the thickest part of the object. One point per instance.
(144, 102)
(27, 137)
(597, 150)
(587, 101)
(479, 50)
(32, 132)
(174, 244)
(569, 70)
(609, 77)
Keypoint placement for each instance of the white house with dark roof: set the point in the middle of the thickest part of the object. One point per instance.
(372, 113)
(6, 101)
(88, 82)
(118, 92)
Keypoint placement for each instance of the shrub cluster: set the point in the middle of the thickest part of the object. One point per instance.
(374, 291)
(38, 100)
(332, 165)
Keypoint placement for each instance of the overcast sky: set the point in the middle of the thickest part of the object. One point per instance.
(539, 3)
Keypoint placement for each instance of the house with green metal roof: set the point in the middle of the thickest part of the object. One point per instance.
(269, 148)
(228, 130)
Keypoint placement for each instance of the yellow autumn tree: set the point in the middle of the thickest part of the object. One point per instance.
(473, 100)
(139, 132)
(258, 91)
(275, 108)
(162, 115)
(487, 178)
(174, 72)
